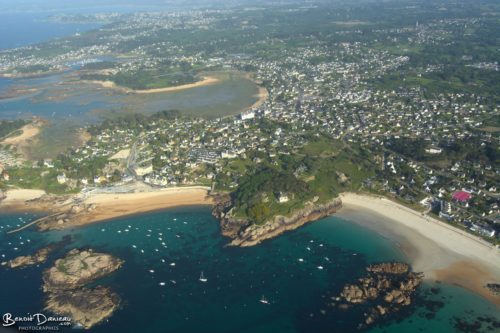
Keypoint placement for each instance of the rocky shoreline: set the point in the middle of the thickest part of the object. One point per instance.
(67, 295)
(386, 289)
(243, 233)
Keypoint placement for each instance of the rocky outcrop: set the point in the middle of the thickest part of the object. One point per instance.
(79, 268)
(387, 288)
(39, 257)
(86, 307)
(65, 284)
(66, 216)
(244, 233)
(389, 268)
(494, 288)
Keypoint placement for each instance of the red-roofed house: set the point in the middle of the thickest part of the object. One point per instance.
(462, 196)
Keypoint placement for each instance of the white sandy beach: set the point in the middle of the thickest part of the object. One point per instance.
(439, 250)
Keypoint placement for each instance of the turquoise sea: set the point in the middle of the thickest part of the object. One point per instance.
(237, 277)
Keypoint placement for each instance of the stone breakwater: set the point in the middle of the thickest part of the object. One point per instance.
(244, 233)
(67, 295)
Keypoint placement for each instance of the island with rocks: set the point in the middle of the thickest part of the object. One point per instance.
(22, 261)
(386, 289)
(39, 257)
(65, 284)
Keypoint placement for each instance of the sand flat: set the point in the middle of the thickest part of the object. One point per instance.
(29, 131)
(206, 81)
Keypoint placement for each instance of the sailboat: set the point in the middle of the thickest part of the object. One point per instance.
(264, 300)
(203, 278)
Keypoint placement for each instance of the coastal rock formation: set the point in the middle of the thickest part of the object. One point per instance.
(79, 268)
(67, 216)
(39, 257)
(86, 307)
(389, 268)
(386, 289)
(65, 281)
(244, 233)
(494, 288)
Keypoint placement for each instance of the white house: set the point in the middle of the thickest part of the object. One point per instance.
(61, 179)
(283, 197)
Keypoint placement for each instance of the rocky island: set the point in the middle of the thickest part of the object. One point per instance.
(22, 261)
(65, 284)
(86, 307)
(38, 257)
(386, 289)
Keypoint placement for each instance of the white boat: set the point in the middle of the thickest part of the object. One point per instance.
(162, 283)
(203, 278)
(264, 300)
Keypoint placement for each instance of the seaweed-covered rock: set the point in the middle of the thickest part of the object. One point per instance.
(86, 307)
(386, 289)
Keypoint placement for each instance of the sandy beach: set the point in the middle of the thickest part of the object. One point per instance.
(205, 82)
(107, 206)
(111, 206)
(439, 250)
(16, 199)
(262, 96)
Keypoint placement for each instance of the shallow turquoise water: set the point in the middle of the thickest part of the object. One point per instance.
(237, 278)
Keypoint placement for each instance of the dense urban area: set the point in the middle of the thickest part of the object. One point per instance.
(401, 102)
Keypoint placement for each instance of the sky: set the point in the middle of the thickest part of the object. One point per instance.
(58, 5)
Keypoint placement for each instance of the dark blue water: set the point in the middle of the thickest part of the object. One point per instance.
(237, 277)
